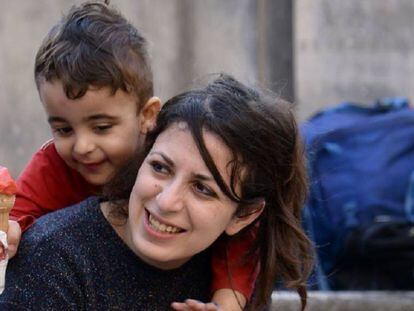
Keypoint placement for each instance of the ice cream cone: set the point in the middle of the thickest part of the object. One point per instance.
(8, 189)
(6, 204)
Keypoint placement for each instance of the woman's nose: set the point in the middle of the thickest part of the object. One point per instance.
(171, 197)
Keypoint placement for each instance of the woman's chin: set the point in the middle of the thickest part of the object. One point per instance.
(157, 257)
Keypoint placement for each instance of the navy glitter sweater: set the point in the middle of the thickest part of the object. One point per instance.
(73, 260)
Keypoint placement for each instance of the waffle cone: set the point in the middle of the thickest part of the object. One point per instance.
(6, 204)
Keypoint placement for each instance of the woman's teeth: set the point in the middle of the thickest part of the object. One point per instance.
(155, 224)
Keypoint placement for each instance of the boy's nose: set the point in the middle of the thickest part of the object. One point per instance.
(171, 198)
(83, 145)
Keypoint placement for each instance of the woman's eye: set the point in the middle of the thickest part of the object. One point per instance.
(159, 167)
(201, 188)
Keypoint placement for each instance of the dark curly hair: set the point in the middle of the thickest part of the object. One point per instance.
(268, 163)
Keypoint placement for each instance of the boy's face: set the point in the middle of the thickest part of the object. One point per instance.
(97, 133)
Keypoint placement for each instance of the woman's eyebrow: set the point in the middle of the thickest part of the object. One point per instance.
(204, 177)
(164, 156)
(171, 163)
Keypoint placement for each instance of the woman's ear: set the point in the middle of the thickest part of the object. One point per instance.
(238, 223)
(148, 114)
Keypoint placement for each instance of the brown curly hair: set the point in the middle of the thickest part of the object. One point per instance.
(95, 45)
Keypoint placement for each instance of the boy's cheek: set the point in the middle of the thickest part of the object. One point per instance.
(63, 151)
(60, 148)
(141, 141)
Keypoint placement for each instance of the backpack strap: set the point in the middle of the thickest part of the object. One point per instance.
(409, 199)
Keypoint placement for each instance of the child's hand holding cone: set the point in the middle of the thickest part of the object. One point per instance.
(8, 190)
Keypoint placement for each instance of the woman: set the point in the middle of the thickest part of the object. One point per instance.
(223, 161)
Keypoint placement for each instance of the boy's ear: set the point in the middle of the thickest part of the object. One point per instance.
(238, 223)
(148, 114)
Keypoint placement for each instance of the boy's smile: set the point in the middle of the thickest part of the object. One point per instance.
(95, 134)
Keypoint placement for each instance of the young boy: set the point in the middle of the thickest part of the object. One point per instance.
(95, 83)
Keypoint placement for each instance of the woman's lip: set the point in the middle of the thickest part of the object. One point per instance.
(155, 233)
(159, 219)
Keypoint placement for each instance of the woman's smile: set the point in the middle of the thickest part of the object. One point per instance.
(161, 227)
(176, 208)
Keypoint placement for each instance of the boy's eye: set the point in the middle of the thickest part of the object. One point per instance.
(203, 189)
(159, 167)
(102, 128)
(63, 131)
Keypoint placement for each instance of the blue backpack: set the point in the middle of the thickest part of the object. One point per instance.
(360, 208)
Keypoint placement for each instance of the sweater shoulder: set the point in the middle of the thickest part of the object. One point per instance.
(64, 225)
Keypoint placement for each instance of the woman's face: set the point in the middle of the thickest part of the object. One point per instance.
(176, 209)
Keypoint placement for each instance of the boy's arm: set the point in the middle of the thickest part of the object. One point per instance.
(234, 277)
(195, 305)
(46, 184)
(229, 299)
(223, 300)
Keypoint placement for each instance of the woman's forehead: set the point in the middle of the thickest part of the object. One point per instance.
(178, 140)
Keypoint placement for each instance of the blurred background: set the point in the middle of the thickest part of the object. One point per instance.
(313, 52)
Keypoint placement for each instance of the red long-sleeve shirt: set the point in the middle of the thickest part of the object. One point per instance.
(48, 184)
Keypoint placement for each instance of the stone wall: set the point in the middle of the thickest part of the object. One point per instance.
(352, 50)
(345, 301)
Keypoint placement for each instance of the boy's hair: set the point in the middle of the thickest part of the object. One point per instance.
(94, 45)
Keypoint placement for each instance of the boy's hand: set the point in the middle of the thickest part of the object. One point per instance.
(229, 299)
(14, 235)
(195, 305)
